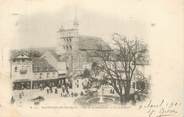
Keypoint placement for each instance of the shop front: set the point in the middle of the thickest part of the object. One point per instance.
(41, 84)
(38, 84)
(21, 84)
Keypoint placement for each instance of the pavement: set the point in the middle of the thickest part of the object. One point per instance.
(49, 99)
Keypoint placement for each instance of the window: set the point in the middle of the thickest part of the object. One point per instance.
(70, 47)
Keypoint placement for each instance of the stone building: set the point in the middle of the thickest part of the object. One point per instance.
(78, 49)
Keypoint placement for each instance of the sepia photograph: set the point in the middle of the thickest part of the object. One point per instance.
(117, 58)
(80, 69)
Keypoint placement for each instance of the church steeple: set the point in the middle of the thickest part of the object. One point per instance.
(75, 21)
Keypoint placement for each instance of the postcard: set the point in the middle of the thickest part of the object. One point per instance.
(93, 58)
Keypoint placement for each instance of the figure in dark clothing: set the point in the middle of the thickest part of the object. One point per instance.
(67, 91)
(47, 91)
(12, 100)
(56, 91)
(51, 91)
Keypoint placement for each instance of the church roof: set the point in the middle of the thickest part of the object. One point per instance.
(54, 54)
(92, 43)
(42, 65)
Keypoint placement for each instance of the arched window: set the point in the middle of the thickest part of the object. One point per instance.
(70, 47)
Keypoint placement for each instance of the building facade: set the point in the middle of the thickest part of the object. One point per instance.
(78, 48)
(28, 72)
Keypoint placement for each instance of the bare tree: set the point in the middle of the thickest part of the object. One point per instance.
(119, 64)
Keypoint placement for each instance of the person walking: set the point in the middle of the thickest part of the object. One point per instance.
(56, 91)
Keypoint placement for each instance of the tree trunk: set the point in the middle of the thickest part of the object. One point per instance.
(122, 99)
(127, 97)
(127, 92)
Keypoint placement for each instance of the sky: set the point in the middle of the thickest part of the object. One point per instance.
(39, 28)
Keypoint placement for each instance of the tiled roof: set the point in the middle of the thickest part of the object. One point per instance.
(41, 65)
(54, 54)
(15, 53)
(32, 52)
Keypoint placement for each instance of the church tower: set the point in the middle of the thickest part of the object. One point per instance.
(75, 21)
(68, 38)
(68, 42)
